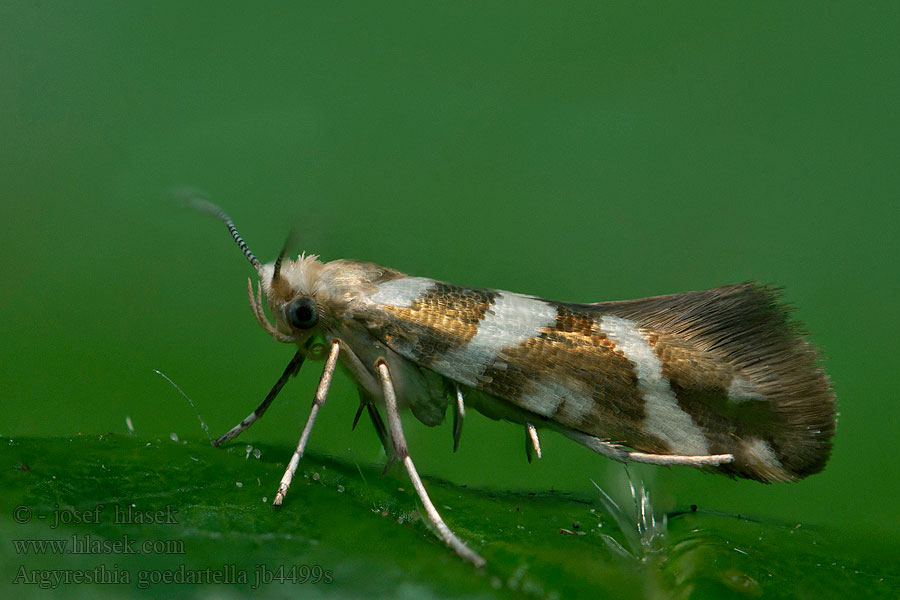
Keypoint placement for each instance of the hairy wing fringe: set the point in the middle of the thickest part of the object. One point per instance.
(749, 327)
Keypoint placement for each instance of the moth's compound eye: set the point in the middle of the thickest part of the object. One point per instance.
(302, 313)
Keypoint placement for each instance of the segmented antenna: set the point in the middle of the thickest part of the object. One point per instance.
(216, 211)
(277, 274)
(288, 243)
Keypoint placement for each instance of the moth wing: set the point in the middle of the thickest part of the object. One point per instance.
(707, 372)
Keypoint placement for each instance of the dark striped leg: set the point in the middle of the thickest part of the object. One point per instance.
(368, 404)
(402, 452)
(318, 402)
(290, 371)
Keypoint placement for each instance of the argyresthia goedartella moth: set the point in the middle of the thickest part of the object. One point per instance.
(719, 379)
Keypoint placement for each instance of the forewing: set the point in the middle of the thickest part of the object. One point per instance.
(715, 371)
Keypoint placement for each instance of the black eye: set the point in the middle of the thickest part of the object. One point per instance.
(302, 313)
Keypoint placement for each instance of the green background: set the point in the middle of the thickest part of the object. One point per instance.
(579, 152)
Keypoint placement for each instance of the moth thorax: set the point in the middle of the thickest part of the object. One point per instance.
(293, 278)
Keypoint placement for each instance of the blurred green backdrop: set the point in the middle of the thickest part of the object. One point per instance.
(582, 152)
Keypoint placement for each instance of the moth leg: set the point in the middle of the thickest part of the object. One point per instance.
(318, 402)
(617, 452)
(532, 441)
(362, 405)
(459, 415)
(705, 460)
(380, 429)
(360, 373)
(367, 403)
(368, 389)
(607, 449)
(291, 370)
(402, 453)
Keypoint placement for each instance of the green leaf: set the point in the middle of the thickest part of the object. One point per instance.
(345, 530)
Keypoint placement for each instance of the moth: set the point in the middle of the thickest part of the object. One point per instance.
(718, 379)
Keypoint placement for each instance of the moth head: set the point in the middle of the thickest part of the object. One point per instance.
(290, 286)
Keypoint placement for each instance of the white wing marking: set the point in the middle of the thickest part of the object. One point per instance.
(664, 419)
(511, 320)
(402, 292)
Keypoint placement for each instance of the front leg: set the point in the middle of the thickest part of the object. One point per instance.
(290, 371)
(318, 402)
(402, 453)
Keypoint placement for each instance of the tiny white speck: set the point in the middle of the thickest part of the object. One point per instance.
(195, 459)
(147, 444)
(238, 484)
(340, 489)
(129, 424)
(316, 476)
(173, 436)
(257, 453)
(265, 499)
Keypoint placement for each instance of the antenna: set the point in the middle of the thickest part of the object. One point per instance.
(209, 208)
